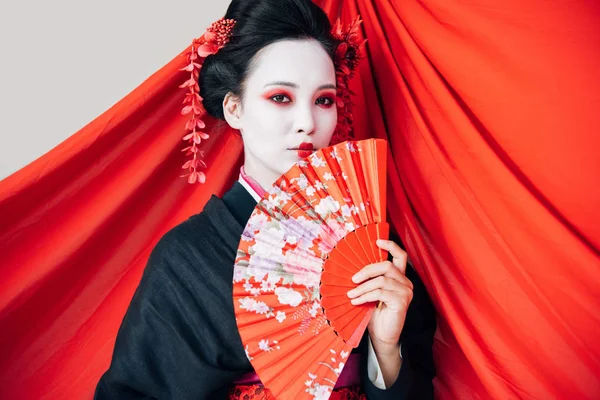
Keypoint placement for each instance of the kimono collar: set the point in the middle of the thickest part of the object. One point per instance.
(251, 185)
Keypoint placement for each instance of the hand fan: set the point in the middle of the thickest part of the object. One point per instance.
(305, 239)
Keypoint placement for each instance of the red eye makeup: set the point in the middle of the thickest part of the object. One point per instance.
(278, 96)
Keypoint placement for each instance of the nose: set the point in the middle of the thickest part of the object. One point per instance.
(305, 120)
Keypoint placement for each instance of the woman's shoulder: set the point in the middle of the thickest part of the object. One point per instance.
(190, 249)
(179, 271)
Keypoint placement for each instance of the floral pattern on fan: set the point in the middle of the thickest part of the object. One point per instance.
(280, 259)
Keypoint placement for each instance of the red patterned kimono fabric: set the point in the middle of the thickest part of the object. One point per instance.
(258, 392)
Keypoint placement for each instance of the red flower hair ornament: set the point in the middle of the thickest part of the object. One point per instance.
(218, 34)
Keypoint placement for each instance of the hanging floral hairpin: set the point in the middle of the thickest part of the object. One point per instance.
(216, 36)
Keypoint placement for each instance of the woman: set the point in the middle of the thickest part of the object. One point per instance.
(275, 82)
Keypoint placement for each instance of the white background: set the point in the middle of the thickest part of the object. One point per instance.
(64, 62)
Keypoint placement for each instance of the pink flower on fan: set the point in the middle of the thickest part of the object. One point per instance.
(303, 228)
(336, 229)
(305, 269)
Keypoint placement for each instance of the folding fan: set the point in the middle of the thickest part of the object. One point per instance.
(305, 239)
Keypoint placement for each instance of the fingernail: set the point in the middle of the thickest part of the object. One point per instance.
(351, 293)
(353, 301)
(356, 278)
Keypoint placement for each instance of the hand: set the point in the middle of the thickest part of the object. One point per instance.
(387, 283)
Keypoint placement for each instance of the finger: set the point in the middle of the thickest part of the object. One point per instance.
(396, 300)
(385, 268)
(381, 282)
(400, 258)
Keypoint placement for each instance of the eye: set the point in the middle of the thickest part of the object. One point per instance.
(280, 98)
(325, 101)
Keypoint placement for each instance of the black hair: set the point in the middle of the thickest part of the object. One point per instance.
(258, 24)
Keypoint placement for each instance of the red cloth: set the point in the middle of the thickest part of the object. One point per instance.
(490, 108)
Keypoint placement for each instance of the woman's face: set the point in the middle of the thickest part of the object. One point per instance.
(289, 99)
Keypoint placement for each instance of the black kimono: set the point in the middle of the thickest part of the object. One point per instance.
(179, 339)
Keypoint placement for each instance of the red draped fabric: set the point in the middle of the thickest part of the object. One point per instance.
(490, 109)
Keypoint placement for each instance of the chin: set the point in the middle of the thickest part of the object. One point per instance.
(286, 167)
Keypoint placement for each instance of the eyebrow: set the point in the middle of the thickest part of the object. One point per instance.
(293, 85)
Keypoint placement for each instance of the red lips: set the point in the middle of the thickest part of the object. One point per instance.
(306, 146)
(305, 149)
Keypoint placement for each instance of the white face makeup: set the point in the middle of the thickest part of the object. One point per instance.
(289, 99)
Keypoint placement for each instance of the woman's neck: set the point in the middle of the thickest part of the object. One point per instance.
(260, 174)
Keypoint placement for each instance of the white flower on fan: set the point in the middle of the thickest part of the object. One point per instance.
(238, 273)
(314, 308)
(327, 206)
(344, 354)
(344, 176)
(349, 226)
(269, 202)
(258, 221)
(261, 308)
(279, 197)
(280, 316)
(322, 393)
(317, 161)
(350, 146)
(283, 197)
(273, 279)
(267, 286)
(302, 181)
(328, 176)
(247, 303)
(248, 354)
(339, 369)
(335, 154)
(320, 185)
(346, 210)
(288, 296)
(269, 244)
(248, 286)
(291, 239)
(310, 191)
(252, 305)
(302, 163)
(264, 345)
